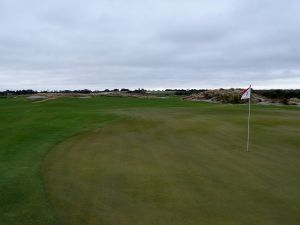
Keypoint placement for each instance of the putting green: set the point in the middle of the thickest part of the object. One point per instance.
(179, 166)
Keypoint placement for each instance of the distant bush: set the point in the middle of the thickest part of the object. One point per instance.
(138, 91)
(182, 92)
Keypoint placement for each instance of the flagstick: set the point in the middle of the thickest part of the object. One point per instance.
(248, 139)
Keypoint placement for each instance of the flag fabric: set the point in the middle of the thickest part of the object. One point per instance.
(246, 93)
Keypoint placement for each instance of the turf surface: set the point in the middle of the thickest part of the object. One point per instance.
(140, 161)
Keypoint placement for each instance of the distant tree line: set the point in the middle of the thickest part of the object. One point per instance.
(272, 93)
(83, 91)
(18, 92)
(279, 93)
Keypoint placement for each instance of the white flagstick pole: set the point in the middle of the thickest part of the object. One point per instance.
(248, 139)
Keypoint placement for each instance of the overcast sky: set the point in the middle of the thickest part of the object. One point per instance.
(153, 44)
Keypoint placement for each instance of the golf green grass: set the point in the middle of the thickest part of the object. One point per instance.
(117, 161)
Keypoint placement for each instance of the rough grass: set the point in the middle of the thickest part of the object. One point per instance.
(143, 161)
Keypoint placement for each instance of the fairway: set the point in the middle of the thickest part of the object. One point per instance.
(126, 161)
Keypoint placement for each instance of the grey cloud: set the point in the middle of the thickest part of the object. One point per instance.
(150, 44)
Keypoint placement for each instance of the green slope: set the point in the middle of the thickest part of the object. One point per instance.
(138, 161)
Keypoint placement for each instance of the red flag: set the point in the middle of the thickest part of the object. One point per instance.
(246, 94)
